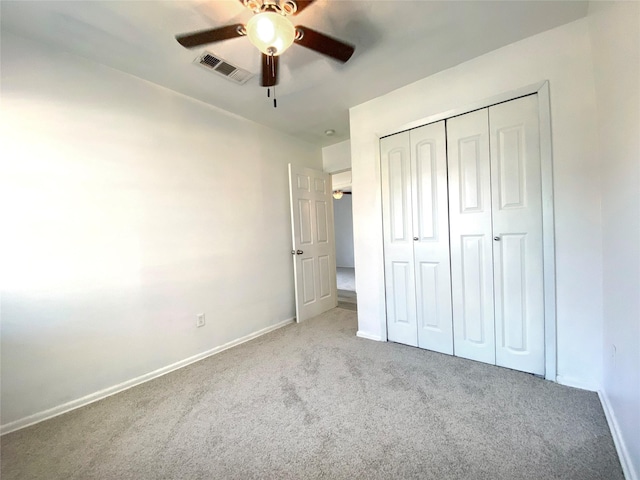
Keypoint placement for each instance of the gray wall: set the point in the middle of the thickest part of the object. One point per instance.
(615, 41)
(125, 224)
(343, 215)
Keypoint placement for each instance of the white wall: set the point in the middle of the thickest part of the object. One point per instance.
(126, 210)
(563, 57)
(341, 181)
(337, 157)
(343, 222)
(615, 40)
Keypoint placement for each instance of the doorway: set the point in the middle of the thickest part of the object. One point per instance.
(343, 228)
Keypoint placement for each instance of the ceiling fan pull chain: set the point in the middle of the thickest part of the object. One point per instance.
(271, 65)
(273, 74)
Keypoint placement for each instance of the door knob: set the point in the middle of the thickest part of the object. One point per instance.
(299, 252)
(497, 239)
(415, 239)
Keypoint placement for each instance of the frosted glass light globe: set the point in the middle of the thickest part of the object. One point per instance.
(270, 32)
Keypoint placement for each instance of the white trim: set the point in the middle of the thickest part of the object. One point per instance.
(368, 336)
(548, 238)
(107, 392)
(618, 441)
(338, 171)
(548, 233)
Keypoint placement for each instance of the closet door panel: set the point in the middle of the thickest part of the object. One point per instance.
(431, 242)
(517, 224)
(398, 239)
(472, 269)
(471, 236)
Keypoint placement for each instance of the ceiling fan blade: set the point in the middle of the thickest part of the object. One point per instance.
(269, 71)
(324, 44)
(195, 39)
(302, 4)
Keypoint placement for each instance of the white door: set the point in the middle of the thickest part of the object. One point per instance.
(496, 235)
(416, 238)
(431, 237)
(471, 239)
(314, 263)
(398, 239)
(517, 232)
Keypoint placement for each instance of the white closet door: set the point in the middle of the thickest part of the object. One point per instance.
(517, 231)
(398, 239)
(471, 239)
(431, 238)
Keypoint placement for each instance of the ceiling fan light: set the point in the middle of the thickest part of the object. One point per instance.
(337, 194)
(270, 32)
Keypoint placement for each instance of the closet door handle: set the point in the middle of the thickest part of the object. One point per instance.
(415, 239)
(497, 239)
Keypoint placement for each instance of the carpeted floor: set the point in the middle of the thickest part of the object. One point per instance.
(314, 401)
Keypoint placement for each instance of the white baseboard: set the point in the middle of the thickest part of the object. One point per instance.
(368, 336)
(623, 453)
(575, 383)
(107, 392)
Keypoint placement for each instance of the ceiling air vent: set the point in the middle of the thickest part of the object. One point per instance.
(221, 67)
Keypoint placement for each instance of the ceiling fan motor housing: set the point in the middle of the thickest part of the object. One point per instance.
(283, 7)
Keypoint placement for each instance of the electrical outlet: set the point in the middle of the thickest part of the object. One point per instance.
(200, 322)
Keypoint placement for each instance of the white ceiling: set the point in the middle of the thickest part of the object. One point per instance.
(397, 42)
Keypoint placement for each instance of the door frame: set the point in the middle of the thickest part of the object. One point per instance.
(548, 223)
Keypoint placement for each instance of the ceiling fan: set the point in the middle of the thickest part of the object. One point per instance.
(271, 31)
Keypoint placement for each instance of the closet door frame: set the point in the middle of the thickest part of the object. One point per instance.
(548, 229)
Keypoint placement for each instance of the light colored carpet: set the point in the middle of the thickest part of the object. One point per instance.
(313, 401)
(346, 278)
